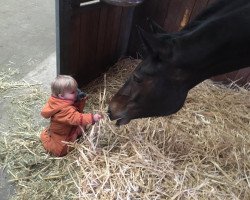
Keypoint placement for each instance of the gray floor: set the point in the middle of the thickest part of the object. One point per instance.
(27, 43)
(27, 33)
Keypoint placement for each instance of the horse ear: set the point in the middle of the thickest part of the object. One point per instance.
(154, 27)
(150, 42)
(161, 47)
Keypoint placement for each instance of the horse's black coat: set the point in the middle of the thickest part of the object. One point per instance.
(216, 42)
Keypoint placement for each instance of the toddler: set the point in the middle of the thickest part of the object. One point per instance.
(65, 112)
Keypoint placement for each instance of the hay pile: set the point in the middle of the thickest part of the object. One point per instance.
(202, 152)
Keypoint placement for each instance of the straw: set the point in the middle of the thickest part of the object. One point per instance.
(201, 152)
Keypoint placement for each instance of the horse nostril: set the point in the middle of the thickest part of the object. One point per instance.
(109, 112)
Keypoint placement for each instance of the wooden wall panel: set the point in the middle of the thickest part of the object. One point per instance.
(101, 35)
(154, 9)
(161, 12)
(210, 2)
(74, 43)
(173, 15)
(198, 7)
(90, 38)
(88, 43)
(124, 31)
(170, 14)
(178, 14)
(111, 35)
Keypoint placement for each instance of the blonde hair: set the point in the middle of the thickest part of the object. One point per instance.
(63, 83)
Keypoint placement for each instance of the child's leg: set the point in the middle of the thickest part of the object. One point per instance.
(75, 134)
(80, 131)
(52, 144)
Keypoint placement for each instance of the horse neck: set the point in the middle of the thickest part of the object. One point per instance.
(209, 53)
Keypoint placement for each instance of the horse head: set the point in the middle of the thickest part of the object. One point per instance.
(157, 87)
(216, 42)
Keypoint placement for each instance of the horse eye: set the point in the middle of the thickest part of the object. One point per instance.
(137, 79)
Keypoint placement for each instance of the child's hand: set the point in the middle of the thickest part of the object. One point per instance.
(97, 117)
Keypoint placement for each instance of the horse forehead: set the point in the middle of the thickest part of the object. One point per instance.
(149, 67)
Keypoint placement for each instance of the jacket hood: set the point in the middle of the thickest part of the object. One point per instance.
(54, 105)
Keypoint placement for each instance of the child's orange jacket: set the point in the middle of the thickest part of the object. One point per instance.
(65, 116)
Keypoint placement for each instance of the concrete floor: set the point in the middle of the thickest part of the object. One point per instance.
(27, 43)
(27, 33)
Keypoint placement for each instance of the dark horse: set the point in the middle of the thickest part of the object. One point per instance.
(215, 42)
